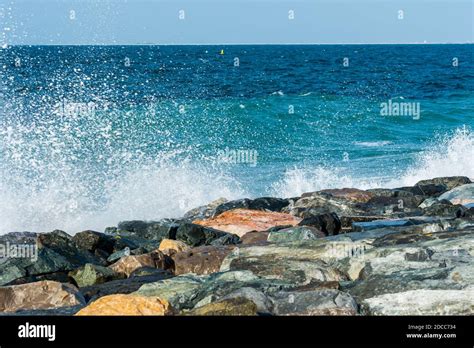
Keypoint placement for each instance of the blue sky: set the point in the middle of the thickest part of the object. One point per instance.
(235, 21)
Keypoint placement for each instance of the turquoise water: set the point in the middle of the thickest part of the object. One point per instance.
(93, 135)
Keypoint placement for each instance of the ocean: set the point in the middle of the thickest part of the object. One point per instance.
(94, 135)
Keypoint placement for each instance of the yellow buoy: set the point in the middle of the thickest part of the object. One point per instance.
(222, 51)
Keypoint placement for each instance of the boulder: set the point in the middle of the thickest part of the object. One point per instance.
(317, 203)
(93, 274)
(205, 211)
(329, 223)
(237, 306)
(450, 182)
(294, 234)
(121, 304)
(460, 195)
(255, 237)
(128, 264)
(91, 241)
(262, 203)
(197, 235)
(422, 302)
(242, 221)
(151, 230)
(168, 245)
(316, 302)
(39, 295)
(352, 194)
(200, 260)
(123, 286)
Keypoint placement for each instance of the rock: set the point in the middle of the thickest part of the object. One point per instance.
(262, 203)
(196, 235)
(39, 295)
(295, 234)
(231, 306)
(128, 264)
(91, 241)
(329, 224)
(127, 305)
(242, 221)
(444, 209)
(255, 238)
(177, 246)
(51, 256)
(153, 230)
(351, 194)
(296, 264)
(119, 254)
(93, 274)
(263, 303)
(316, 302)
(205, 211)
(62, 244)
(61, 311)
(449, 182)
(200, 260)
(460, 195)
(180, 292)
(430, 190)
(317, 203)
(422, 302)
(124, 286)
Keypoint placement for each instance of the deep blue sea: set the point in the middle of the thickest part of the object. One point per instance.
(92, 135)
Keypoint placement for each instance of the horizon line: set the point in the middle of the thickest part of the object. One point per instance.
(246, 44)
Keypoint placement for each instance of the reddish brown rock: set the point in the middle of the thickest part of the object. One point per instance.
(170, 246)
(352, 194)
(126, 265)
(39, 295)
(121, 304)
(242, 221)
(200, 260)
(254, 238)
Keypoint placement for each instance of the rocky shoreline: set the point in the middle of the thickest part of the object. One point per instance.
(403, 251)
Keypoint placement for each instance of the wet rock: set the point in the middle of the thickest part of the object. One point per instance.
(127, 305)
(422, 302)
(450, 182)
(124, 286)
(232, 306)
(200, 260)
(316, 302)
(63, 244)
(152, 230)
(430, 190)
(91, 241)
(205, 211)
(460, 195)
(329, 224)
(242, 221)
(262, 203)
(39, 295)
(197, 235)
(444, 208)
(351, 194)
(176, 246)
(128, 264)
(317, 203)
(93, 274)
(294, 234)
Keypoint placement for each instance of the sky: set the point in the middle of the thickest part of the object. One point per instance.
(124, 22)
